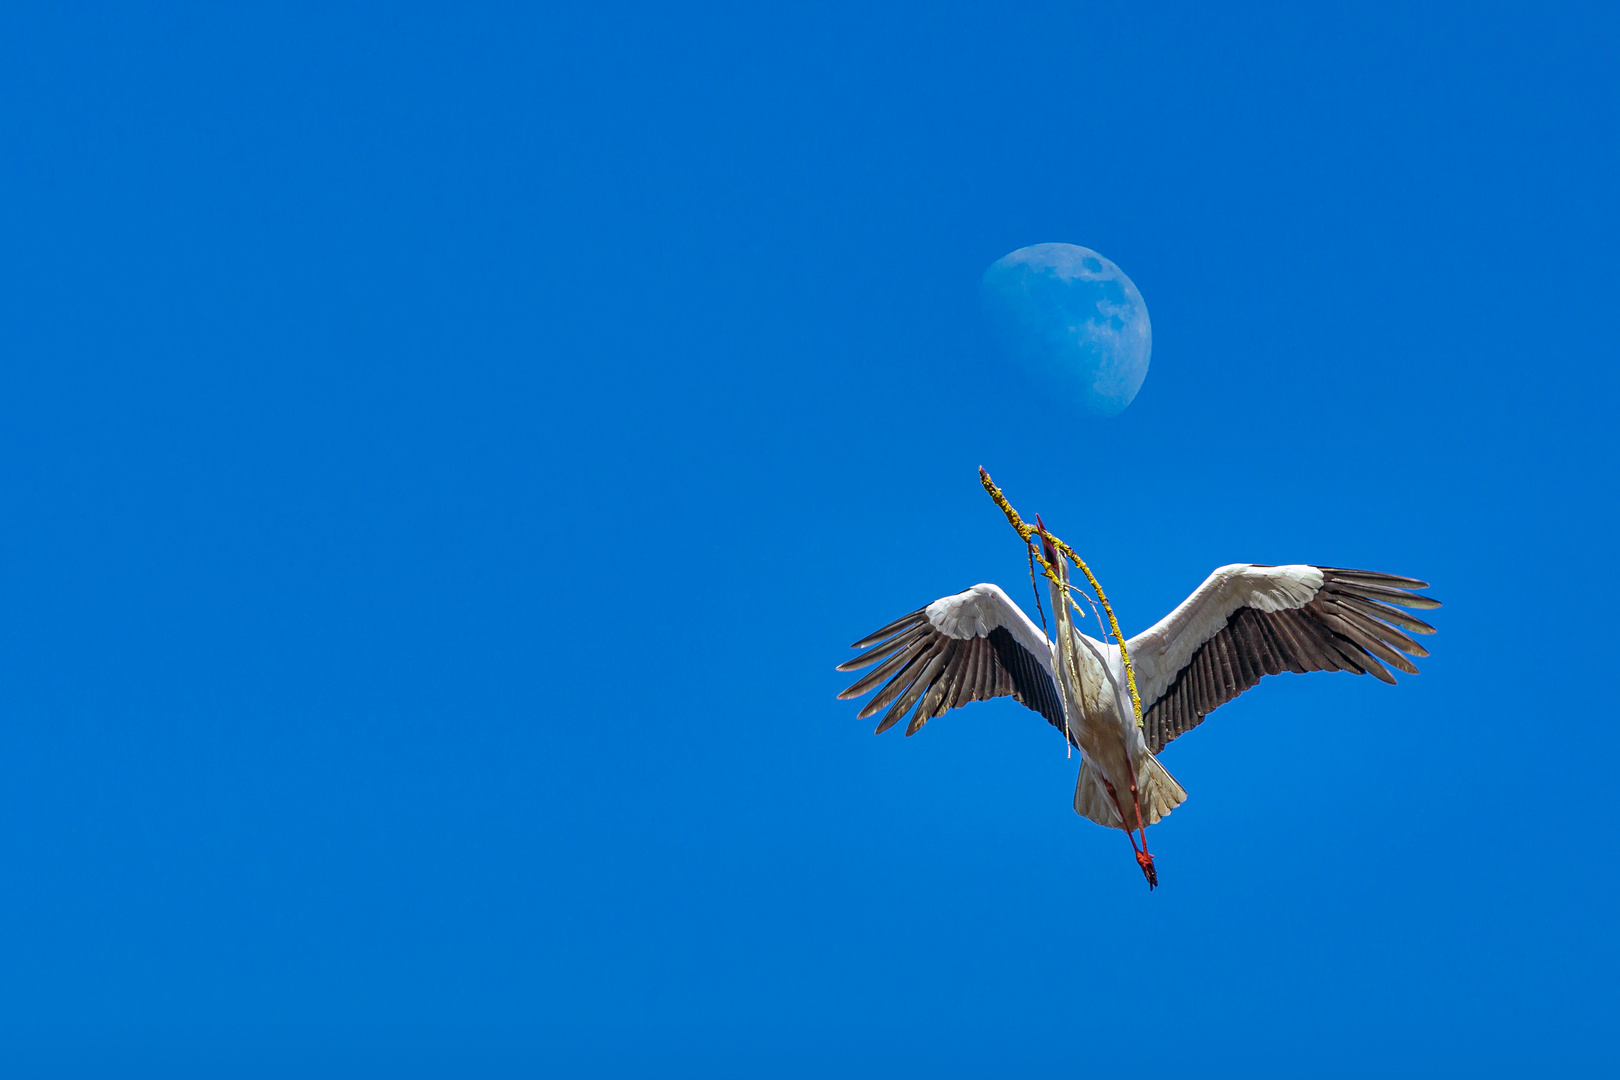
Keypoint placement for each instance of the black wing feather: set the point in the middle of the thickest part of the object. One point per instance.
(1349, 625)
(936, 673)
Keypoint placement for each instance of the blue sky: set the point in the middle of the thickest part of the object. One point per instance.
(447, 448)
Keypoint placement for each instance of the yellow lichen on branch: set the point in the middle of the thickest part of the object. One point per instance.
(1024, 533)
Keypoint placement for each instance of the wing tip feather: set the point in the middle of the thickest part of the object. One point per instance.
(904, 622)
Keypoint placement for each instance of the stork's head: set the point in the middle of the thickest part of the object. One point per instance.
(1053, 560)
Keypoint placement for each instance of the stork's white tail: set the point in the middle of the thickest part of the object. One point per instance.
(1159, 792)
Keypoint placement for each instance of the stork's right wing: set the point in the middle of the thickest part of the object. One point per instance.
(973, 646)
(1247, 621)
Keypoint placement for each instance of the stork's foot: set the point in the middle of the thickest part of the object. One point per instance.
(1145, 861)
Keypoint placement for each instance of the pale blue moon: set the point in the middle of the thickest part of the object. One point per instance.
(1074, 320)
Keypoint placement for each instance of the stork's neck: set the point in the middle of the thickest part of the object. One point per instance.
(1060, 601)
(1068, 666)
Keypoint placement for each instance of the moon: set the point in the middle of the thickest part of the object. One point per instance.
(1074, 320)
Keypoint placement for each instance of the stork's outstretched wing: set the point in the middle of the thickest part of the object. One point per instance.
(1246, 621)
(973, 646)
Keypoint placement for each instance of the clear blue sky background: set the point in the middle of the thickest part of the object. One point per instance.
(444, 451)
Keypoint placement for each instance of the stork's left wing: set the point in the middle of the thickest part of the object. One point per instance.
(972, 646)
(1247, 621)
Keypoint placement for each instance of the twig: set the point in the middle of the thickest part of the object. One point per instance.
(1024, 532)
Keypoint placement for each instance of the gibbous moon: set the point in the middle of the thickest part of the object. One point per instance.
(1074, 320)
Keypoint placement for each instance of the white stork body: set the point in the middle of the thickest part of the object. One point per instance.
(1121, 784)
(1244, 622)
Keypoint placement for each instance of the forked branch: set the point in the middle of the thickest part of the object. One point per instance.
(1025, 531)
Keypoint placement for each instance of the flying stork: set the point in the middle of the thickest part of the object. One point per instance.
(1243, 622)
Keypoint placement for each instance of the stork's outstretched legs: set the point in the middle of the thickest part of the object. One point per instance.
(1143, 858)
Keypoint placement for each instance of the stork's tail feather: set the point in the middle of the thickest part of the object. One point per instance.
(1091, 799)
(1159, 792)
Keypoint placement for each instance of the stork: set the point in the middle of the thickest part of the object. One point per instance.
(1244, 622)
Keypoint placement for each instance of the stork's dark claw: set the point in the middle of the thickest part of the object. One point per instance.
(1145, 861)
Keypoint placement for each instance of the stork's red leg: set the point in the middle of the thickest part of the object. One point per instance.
(1112, 794)
(1143, 859)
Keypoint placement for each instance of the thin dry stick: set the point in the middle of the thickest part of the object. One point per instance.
(1075, 588)
(1024, 532)
(1037, 591)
